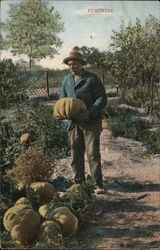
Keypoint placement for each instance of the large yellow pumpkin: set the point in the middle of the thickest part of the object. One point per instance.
(49, 231)
(44, 190)
(68, 108)
(67, 221)
(25, 227)
(11, 214)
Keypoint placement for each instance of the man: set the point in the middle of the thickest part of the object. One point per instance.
(84, 132)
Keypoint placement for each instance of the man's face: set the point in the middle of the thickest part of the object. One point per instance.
(75, 67)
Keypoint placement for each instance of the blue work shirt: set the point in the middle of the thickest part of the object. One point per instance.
(90, 90)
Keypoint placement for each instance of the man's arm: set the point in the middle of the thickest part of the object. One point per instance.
(99, 97)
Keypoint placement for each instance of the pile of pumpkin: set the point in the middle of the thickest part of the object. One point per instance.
(27, 225)
(24, 223)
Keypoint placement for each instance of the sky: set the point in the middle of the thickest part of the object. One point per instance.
(83, 26)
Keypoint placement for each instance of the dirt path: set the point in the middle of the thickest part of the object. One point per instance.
(127, 216)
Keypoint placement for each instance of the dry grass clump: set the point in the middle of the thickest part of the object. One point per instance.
(31, 166)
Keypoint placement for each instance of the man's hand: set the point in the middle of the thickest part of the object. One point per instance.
(83, 116)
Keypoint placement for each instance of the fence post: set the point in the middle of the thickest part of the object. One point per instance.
(117, 88)
(47, 85)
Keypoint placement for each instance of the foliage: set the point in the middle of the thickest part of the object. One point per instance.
(84, 198)
(7, 241)
(31, 166)
(1, 42)
(32, 29)
(11, 192)
(123, 123)
(22, 65)
(48, 245)
(92, 55)
(81, 203)
(49, 136)
(51, 238)
(135, 57)
(152, 141)
(98, 62)
(138, 97)
(11, 87)
(9, 145)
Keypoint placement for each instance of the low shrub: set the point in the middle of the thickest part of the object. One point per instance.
(11, 87)
(9, 144)
(152, 141)
(123, 123)
(31, 166)
(81, 203)
(50, 135)
(139, 96)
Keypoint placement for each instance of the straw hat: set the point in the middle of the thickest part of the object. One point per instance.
(75, 55)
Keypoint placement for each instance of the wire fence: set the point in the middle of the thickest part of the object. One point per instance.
(48, 83)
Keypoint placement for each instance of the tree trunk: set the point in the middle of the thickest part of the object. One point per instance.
(151, 96)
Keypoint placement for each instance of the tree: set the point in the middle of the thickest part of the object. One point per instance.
(93, 56)
(32, 30)
(21, 65)
(152, 54)
(122, 61)
(12, 88)
(1, 42)
(136, 56)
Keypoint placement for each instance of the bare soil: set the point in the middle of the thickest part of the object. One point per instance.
(127, 215)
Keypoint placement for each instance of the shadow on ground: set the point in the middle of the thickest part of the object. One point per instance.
(131, 232)
(118, 220)
(124, 184)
